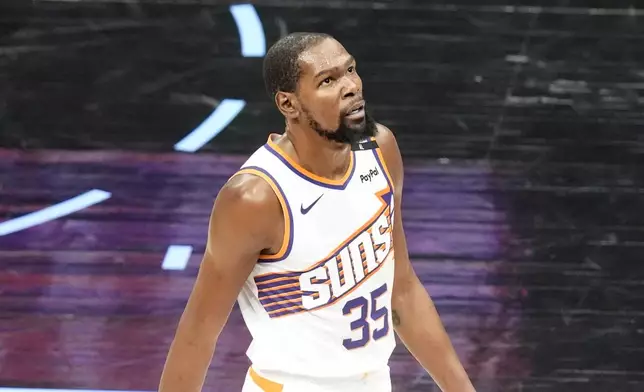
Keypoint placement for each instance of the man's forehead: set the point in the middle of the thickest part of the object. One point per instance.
(325, 55)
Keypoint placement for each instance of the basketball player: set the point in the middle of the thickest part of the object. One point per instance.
(308, 238)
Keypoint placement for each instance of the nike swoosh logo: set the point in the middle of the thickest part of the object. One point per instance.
(305, 211)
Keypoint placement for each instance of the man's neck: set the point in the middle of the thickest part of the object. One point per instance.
(315, 153)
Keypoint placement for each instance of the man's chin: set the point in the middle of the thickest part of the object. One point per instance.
(349, 131)
(365, 129)
(356, 127)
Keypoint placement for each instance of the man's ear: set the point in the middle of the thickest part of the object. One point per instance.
(287, 104)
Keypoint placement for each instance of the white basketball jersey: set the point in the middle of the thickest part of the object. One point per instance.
(321, 306)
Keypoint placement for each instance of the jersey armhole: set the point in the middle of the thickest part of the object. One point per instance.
(287, 241)
(377, 153)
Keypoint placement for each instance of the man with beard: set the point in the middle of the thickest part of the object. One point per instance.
(303, 237)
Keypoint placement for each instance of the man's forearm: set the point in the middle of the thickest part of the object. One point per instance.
(186, 366)
(418, 325)
(190, 354)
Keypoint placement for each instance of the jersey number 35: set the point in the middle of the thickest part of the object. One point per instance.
(369, 310)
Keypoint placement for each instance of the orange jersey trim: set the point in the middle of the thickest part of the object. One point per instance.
(265, 384)
(381, 159)
(298, 169)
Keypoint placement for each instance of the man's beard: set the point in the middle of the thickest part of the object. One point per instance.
(344, 133)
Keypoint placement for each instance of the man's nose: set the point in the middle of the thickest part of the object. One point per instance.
(351, 87)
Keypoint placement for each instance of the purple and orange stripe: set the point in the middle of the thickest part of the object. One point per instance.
(280, 292)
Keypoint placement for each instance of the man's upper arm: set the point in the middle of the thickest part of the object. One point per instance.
(242, 221)
(242, 224)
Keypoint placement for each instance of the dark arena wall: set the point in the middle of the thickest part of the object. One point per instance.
(520, 126)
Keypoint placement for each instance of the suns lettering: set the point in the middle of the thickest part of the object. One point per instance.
(322, 289)
(362, 253)
(342, 272)
(381, 237)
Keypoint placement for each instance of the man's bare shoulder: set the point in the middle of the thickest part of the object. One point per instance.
(244, 216)
(384, 135)
(248, 194)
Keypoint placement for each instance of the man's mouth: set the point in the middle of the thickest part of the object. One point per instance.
(356, 113)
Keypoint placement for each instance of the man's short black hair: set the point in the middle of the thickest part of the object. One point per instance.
(281, 63)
